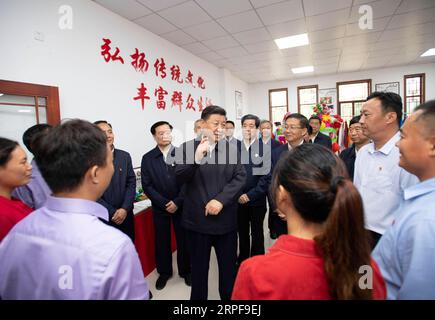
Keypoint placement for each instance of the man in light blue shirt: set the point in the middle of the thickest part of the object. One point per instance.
(377, 176)
(406, 252)
(63, 250)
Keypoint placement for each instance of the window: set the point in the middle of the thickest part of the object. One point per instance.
(351, 96)
(278, 104)
(414, 91)
(307, 99)
(23, 105)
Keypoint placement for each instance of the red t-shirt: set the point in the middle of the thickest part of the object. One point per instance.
(292, 270)
(11, 212)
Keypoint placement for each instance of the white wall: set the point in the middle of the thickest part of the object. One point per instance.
(259, 93)
(92, 89)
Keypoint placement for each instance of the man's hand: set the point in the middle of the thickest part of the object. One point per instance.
(171, 207)
(119, 216)
(244, 199)
(213, 207)
(202, 149)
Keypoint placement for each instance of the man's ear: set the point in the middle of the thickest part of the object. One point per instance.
(93, 174)
(391, 117)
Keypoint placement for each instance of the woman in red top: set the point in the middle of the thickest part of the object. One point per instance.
(326, 254)
(15, 171)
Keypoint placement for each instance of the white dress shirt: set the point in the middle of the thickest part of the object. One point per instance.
(381, 183)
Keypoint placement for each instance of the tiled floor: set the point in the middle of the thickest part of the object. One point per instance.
(176, 289)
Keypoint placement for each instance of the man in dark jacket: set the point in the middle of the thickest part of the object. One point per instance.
(359, 140)
(160, 185)
(316, 136)
(295, 128)
(119, 196)
(213, 177)
(269, 144)
(252, 203)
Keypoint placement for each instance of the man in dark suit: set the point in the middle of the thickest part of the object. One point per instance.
(252, 203)
(269, 144)
(119, 196)
(316, 136)
(160, 185)
(295, 128)
(359, 140)
(214, 178)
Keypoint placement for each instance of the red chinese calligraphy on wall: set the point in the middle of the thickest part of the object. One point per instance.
(200, 82)
(142, 91)
(189, 78)
(139, 62)
(177, 99)
(189, 103)
(105, 52)
(160, 94)
(160, 67)
(175, 74)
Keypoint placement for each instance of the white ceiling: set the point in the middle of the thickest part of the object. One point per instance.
(238, 34)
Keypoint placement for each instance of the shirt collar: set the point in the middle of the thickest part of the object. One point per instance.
(386, 148)
(80, 206)
(290, 147)
(419, 189)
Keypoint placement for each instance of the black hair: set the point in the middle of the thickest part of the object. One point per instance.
(68, 151)
(102, 121)
(251, 117)
(315, 118)
(277, 123)
(158, 124)
(7, 146)
(428, 114)
(30, 134)
(354, 120)
(232, 122)
(317, 183)
(208, 111)
(303, 121)
(390, 102)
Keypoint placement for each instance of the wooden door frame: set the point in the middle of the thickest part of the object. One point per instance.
(35, 90)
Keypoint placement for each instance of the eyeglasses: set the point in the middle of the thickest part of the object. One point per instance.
(356, 130)
(292, 128)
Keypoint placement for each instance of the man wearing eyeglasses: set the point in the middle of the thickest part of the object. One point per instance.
(295, 128)
(359, 140)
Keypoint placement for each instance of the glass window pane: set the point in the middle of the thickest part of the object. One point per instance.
(42, 111)
(307, 96)
(346, 111)
(8, 98)
(42, 101)
(357, 108)
(411, 104)
(278, 114)
(413, 86)
(354, 91)
(307, 110)
(15, 120)
(278, 98)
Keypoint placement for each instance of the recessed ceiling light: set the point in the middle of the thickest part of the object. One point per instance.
(303, 69)
(430, 52)
(1, 94)
(292, 41)
(24, 110)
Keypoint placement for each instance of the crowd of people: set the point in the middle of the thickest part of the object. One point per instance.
(355, 225)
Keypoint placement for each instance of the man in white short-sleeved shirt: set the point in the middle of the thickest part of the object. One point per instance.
(378, 176)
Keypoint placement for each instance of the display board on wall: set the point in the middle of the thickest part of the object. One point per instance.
(388, 87)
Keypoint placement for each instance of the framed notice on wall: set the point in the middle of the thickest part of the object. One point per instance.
(328, 96)
(388, 87)
(239, 105)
